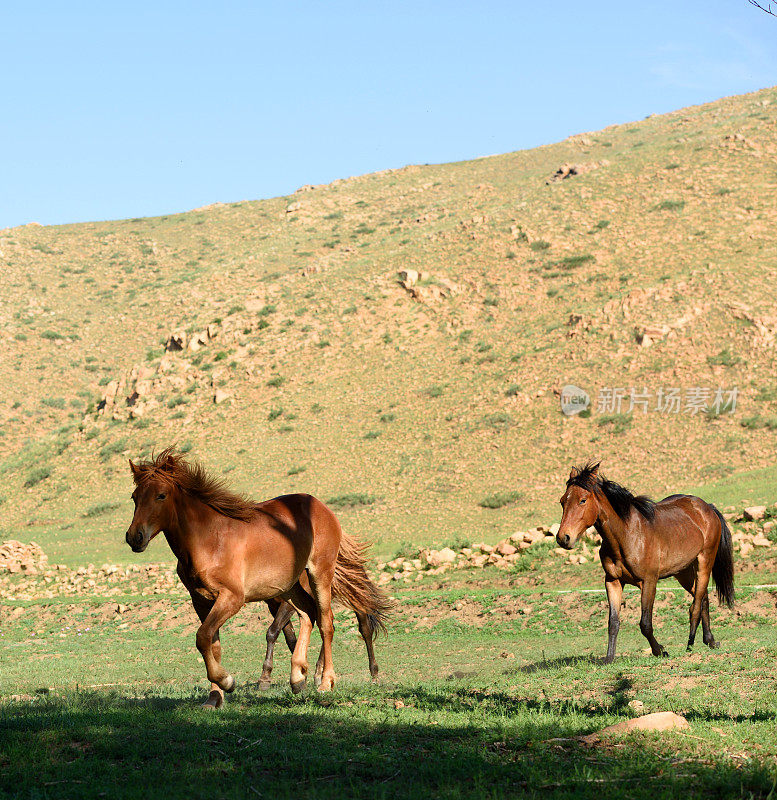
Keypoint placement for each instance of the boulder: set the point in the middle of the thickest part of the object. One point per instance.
(660, 721)
(754, 513)
(176, 341)
(408, 278)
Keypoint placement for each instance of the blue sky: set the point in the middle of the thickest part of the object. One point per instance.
(111, 111)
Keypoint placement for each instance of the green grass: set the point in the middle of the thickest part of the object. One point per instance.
(351, 500)
(618, 423)
(670, 205)
(100, 509)
(36, 475)
(500, 499)
(464, 709)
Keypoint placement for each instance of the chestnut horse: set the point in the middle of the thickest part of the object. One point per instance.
(232, 551)
(643, 542)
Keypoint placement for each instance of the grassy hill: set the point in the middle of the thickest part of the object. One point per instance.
(408, 406)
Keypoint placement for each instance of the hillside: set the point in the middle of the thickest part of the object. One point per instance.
(652, 267)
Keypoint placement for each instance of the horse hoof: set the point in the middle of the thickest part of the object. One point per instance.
(215, 700)
(317, 680)
(298, 686)
(662, 653)
(265, 684)
(713, 645)
(326, 686)
(229, 684)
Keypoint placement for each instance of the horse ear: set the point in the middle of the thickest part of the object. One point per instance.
(135, 470)
(595, 470)
(573, 473)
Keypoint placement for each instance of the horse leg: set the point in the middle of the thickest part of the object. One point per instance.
(706, 631)
(226, 605)
(321, 584)
(366, 630)
(614, 596)
(320, 663)
(687, 579)
(699, 595)
(307, 610)
(646, 619)
(282, 613)
(216, 696)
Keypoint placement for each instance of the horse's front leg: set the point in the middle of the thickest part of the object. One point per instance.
(226, 605)
(614, 596)
(646, 619)
(282, 613)
(203, 607)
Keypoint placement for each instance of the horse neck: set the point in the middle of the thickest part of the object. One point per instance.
(188, 523)
(611, 527)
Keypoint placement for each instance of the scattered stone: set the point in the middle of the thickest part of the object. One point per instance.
(567, 170)
(506, 549)
(637, 706)
(219, 396)
(176, 341)
(408, 278)
(754, 513)
(17, 557)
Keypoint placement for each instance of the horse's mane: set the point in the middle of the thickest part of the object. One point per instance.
(191, 477)
(620, 498)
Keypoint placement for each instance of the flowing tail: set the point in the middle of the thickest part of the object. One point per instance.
(352, 585)
(723, 568)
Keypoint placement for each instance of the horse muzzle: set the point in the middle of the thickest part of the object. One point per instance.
(137, 540)
(565, 540)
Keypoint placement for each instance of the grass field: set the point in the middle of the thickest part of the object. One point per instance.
(487, 678)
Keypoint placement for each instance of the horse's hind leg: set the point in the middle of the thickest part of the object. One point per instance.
(307, 610)
(697, 607)
(321, 584)
(687, 579)
(646, 619)
(367, 632)
(282, 613)
(319, 674)
(707, 636)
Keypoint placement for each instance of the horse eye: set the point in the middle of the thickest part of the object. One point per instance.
(161, 496)
(583, 500)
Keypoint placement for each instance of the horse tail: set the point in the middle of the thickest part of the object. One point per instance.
(352, 585)
(723, 568)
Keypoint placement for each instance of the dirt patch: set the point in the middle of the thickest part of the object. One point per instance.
(761, 604)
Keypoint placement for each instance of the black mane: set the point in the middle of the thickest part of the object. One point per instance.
(619, 497)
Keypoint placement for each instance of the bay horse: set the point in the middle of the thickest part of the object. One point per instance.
(232, 550)
(644, 542)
